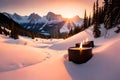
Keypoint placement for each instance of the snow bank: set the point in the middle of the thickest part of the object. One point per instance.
(63, 45)
(104, 65)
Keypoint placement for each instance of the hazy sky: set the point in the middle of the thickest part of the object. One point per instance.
(67, 8)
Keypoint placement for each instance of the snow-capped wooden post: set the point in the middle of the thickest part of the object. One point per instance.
(80, 54)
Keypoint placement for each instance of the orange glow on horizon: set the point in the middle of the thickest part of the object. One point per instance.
(68, 15)
(66, 8)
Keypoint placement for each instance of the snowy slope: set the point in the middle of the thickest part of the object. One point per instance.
(16, 54)
(74, 39)
(104, 65)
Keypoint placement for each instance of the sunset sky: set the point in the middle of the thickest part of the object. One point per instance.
(67, 8)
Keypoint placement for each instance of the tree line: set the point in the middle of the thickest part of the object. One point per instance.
(108, 14)
(12, 29)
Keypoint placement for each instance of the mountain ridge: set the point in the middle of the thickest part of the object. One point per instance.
(50, 24)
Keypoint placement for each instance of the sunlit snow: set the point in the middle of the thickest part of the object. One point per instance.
(46, 59)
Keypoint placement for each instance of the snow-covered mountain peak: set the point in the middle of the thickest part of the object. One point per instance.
(52, 16)
(16, 16)
(34, 16)
(77, 20)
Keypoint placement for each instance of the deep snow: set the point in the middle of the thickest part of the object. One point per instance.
(41, 59)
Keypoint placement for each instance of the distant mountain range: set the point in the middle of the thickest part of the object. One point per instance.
(46, 25)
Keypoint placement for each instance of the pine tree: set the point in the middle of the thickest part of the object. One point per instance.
(76, 29)
(0, 30)
(71, 32)
(32, 35)
(108, 15)
(14, 32)
(85, 24)
(58, 31)
(101, 15)
(89, 20)
(106, 5)
(94, 13)
(97, 13)
(96, 31)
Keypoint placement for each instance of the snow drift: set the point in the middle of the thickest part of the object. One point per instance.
(104, 65)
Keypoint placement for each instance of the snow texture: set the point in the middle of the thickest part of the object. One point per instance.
(42, 59)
